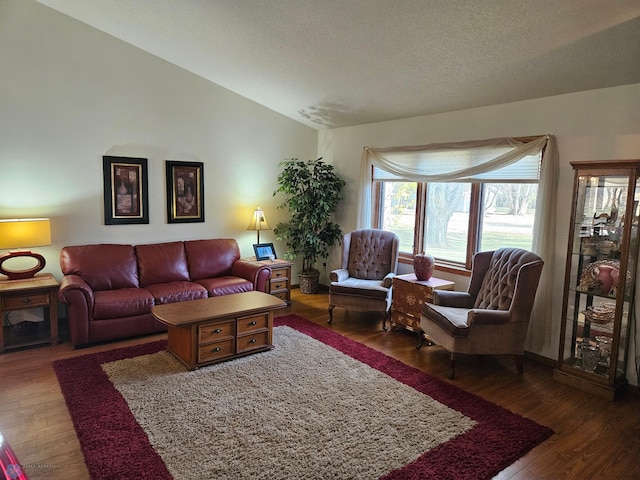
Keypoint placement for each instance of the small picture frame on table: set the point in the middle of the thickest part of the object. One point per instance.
(125, 190)
(264, 251)
(185, 192)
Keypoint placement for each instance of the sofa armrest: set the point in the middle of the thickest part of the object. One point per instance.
(449, 298)
(480, 316)
(388, 280)
(74, 283)
(78, 296)
(339, 275)
(254, 272)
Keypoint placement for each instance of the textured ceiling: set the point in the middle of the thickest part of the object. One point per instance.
(335, 63)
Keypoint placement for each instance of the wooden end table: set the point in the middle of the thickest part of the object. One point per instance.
(280, 283)
(408, 296)
(211, 330)
(39, 291)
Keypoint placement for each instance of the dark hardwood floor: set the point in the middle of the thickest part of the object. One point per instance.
(594, 438)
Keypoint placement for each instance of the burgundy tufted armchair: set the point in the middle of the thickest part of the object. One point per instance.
(369, 262)
(492, 317)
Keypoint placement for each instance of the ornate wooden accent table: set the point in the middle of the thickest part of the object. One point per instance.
(214, 329)
(408, 296)
(39, 291)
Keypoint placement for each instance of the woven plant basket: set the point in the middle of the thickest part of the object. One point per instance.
(309, 282)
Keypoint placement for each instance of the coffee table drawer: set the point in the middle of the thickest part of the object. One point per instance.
(215, 351)
(253, 323)
(251, 342)
(214, 332)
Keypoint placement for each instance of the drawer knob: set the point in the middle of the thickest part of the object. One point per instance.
(253, 340)
(253, 323)
(26, 300)
(216, 350)
(217, 330)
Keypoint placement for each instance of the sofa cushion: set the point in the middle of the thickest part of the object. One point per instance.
(173, 292)
(211, 258)
(102, 266)
(161, 263)
(354, 286)
(225, 285)
(451, 319)
(123, 302)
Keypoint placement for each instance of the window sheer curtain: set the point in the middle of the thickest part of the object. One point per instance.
(474, 161)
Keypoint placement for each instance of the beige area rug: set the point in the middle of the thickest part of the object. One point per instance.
(319, 405)
(301, 410)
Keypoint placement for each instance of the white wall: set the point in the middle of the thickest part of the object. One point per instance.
(71, 94)
(594, 125)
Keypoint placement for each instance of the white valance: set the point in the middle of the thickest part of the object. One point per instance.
(493, 161)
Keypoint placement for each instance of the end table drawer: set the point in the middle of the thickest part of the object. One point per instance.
(214, 351)
(279, 273)
(214, 332)
(283, 295)
(251, 324)
(408, 321)
(25, 301)
(279, 285)
(251, 342)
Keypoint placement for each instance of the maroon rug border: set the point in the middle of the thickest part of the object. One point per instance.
(115, 446)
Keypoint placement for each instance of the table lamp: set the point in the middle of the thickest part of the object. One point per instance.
(23, 233)
(258, 222)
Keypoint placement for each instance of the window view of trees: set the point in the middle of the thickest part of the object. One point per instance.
(398, 211)
(504, 217)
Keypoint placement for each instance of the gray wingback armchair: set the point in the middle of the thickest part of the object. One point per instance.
(363, 283)
(492, 317)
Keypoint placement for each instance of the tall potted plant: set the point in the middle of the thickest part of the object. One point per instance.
(312, 191)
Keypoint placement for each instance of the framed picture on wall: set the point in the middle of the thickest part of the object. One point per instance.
(126, 198)
(264, 251)
(185, 192)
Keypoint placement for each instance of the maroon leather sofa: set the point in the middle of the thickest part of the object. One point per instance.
(109, 289)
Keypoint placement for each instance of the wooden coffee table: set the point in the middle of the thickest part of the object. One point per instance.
(211, 330)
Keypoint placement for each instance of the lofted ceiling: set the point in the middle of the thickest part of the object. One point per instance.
(336, 63)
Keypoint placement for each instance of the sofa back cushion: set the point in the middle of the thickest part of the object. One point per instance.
(211, 258)
(372, 253)
(103, 266)
(161, 263)
(499, 283)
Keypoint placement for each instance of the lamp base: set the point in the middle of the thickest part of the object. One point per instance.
(22, 274)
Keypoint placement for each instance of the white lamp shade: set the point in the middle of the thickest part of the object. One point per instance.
(258, 221)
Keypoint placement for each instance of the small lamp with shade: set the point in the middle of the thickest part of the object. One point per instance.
(23, 233)
(258, 222)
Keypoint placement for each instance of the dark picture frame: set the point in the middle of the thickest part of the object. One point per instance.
(185, 192)
(264, 251)
(126, 186)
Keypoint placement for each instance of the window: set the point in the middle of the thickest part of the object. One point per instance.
(454, 220)
(480, 166)
(398, 211)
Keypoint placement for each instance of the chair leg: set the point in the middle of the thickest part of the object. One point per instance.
(331, 307)
(387, 316)
(452, 371)
(420, 339)
(520, 363)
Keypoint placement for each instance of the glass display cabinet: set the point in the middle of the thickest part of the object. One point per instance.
(600, 274)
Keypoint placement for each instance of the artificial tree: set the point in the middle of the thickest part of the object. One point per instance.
(312, 192)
